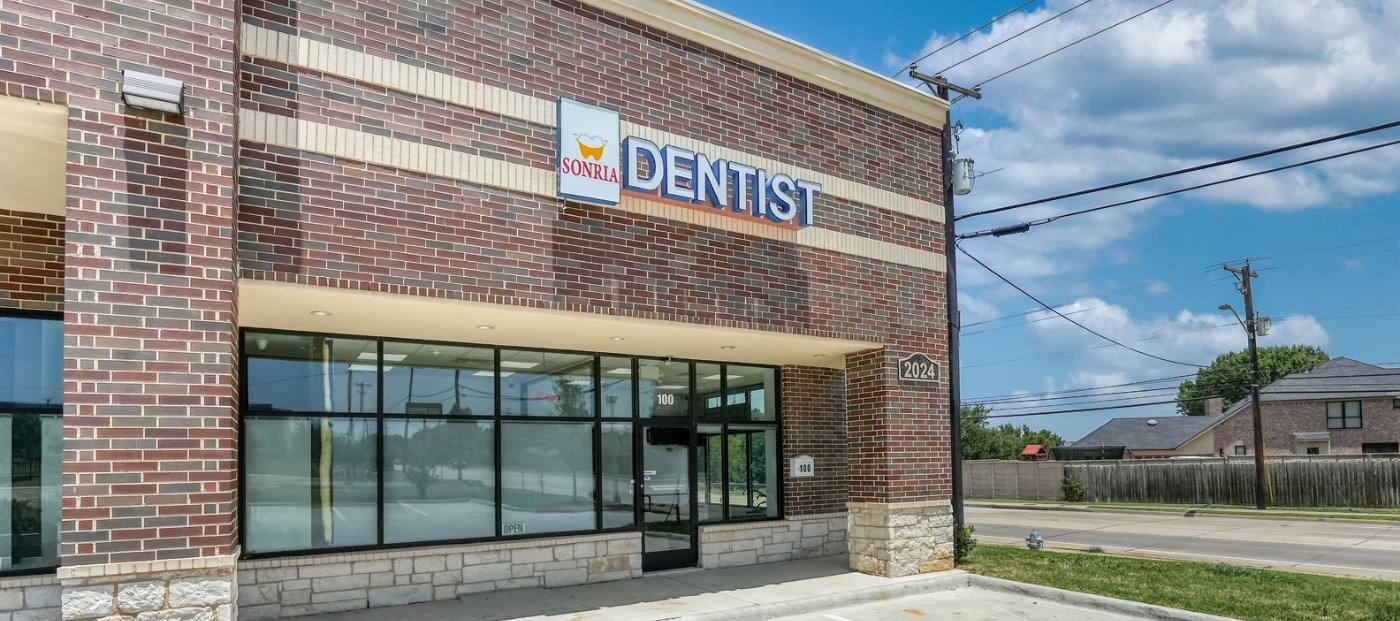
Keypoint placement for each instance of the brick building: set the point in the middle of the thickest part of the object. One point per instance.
(417, 299)
(1341, 407)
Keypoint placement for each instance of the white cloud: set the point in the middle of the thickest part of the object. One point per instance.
(1158, 287)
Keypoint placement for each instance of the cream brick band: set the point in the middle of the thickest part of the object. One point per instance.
(324, 57)
(345, 143)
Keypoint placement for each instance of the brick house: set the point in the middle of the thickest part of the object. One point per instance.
(1341, 407)
(408, 300)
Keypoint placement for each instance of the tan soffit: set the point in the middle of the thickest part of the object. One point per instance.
(736, 37)
(286, 306)
(34, 160)
(359, 66)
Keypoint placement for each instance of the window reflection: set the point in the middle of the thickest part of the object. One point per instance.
(297, 373)
(664, 388)
(310, 483)
(747, 393)
(546, 477)
(439, 480)
(31, 442)
(618, 503)
(433, 380)
(537, 383)
(616, 376)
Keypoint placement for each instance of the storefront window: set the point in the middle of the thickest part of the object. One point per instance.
(323, 374)
(664, 388)
(546, 477)
(437, 380)
(618, 495)
(356, 442)
(747, 391)
(439, 480)
(310, 483)
(31, 442)
(546, 384)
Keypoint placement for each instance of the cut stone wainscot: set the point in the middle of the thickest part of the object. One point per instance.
(29, 598)
(902, 538)
(733, 545)
(197, 589)
(305, 585)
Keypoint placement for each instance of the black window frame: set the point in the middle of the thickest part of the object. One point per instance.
(599, 418)
(1343, 420)
(37, 411)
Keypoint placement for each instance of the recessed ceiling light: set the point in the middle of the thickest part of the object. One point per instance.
(485, 327)
(616, 338)
(321, 313)
(726, 347)
(818, 355)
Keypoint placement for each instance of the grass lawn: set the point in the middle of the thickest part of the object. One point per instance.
(1227, 590)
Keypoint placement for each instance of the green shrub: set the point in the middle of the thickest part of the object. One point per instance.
(1073, 489)
(963, 543)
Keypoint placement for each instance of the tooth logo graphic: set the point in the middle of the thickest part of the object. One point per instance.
(590, 147)
(589, 170)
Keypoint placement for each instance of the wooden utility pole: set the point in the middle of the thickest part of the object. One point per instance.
(1251, 327)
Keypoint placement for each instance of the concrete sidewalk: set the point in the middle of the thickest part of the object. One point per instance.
(754, 593)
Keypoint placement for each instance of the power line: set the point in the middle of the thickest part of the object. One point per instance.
(1114, 398)
(1080, 212)
(1183, 171)
(1081, 310)
(966, 35)
(1070, 390)
(1074, 43)
(1066, 318)
(1079, 410)
(1013, 37)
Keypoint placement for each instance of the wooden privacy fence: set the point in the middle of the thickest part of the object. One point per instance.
(1292, 482)
(1013, 480)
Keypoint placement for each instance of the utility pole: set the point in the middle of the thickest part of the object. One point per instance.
(1251, 327)
(942, 88)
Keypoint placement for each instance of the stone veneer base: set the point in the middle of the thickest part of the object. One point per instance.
(295, 586)
(199, 589)
(734, 545)
(29, 598)
(901, 539)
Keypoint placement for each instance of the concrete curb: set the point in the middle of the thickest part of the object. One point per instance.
(1086, 600)
(944, 581)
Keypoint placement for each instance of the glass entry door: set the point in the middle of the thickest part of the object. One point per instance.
(668, 499)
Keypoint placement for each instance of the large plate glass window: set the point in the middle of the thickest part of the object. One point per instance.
(546, 477)
(434, 380)
(31, 442)
(535, 383)
(664, 388)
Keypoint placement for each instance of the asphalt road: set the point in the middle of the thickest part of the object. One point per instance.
(1368, 550)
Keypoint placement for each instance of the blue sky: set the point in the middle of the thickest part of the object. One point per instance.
(1191, 82)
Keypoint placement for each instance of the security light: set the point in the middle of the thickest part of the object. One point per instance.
(152, 92)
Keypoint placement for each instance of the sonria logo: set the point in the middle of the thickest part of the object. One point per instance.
(591, 148)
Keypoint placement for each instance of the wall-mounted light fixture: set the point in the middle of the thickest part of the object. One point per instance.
(152, 92)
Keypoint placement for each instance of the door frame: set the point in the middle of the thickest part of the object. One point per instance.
(667, 559)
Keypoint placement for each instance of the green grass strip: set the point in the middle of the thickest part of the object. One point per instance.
(1213, 588)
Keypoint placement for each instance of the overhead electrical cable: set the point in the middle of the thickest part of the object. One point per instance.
(1025, 225)
(1183, 171)
(1074, 43)
(1070, 390)
(1078, 410)
(1062, 315)
(966, 35)
(1013, 37)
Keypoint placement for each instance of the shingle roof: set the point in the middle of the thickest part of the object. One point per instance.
(1337, 378)
(1136, 434)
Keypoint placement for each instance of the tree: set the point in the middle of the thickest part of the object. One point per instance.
(1228, 377)
(982, 441)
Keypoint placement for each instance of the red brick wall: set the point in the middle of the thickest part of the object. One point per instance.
(318, 220)
(31, 261)
(1380, 422)
(150, 365)
(814, 423)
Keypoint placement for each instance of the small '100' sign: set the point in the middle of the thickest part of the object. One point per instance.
(918, 368)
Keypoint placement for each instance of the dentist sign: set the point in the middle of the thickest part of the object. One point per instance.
(595, 167)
